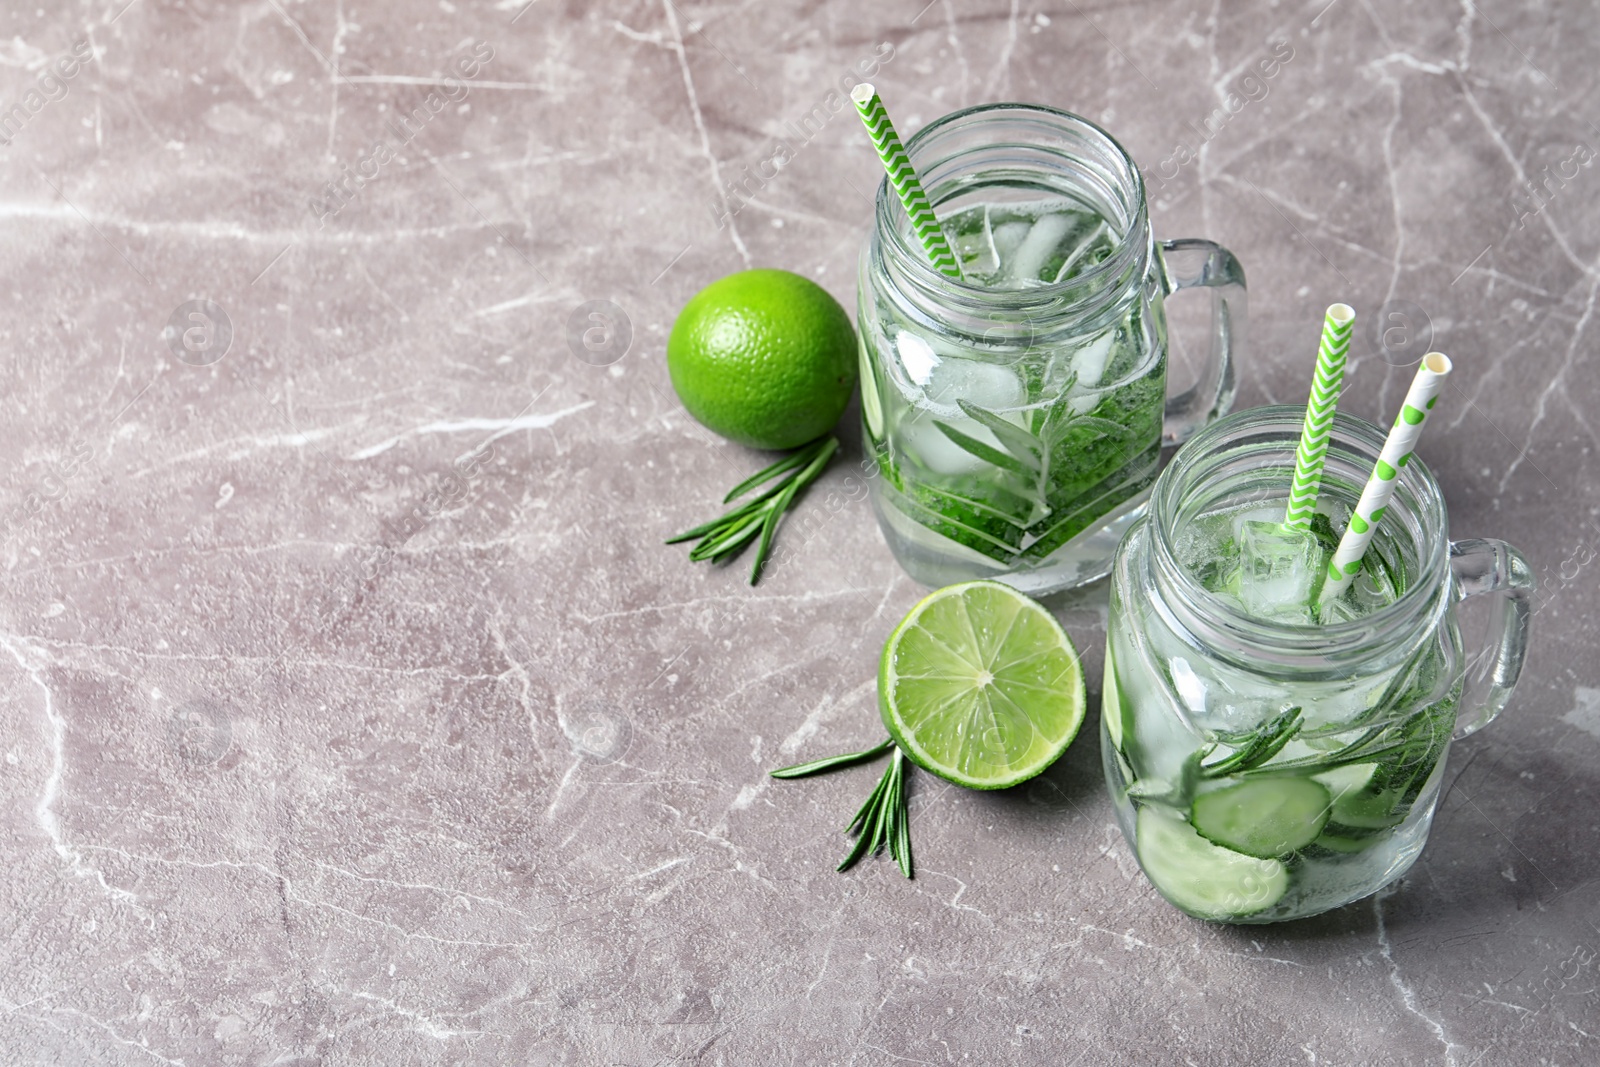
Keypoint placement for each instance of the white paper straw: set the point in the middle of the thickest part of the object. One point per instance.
(1397, 449)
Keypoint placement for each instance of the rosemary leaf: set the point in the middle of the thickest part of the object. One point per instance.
(800, 458)
(1104, 427)
(1377, 743)
(886, 807)
(821, 766)
(1014, 438)
(749, 507)
(856, 852)
(988, 453)
(699, 531)
(864, 814)
(866, 818)
(770, 527)
(718, 540)
(891, 815)
(781, 504)
(903, 825)
(814, 468)
(731, 545)
(1257, 748)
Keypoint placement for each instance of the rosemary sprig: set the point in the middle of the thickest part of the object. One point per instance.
(1258, 747)
(882, 821)
(1373, 745)
(723, 538)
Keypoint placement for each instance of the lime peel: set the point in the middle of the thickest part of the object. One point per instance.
(764, 357)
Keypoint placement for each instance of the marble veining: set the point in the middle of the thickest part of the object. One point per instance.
(353, 710)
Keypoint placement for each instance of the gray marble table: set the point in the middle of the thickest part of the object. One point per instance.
(354, 712)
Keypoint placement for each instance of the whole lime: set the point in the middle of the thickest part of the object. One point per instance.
(764, 357)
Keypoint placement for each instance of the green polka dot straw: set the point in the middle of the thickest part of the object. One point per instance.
(1397, 449)
(904, 179)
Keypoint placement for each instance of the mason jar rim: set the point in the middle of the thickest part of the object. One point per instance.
(914, 258)
(1215, 620)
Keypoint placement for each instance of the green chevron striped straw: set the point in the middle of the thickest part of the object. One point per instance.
(904, 179)
(1397, 449)
(1312, 452)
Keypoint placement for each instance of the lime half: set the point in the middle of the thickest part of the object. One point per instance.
(980, 685)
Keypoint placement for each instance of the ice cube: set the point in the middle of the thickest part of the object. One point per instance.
(1337, 610)
(1161, 734)
(916, 357)
(976, 249)
(1368, 593)
(938, 453)
(987, 385)
(1277, 568)
(1089, 362)
(1206, 540)
(1089, 242)
(1037, 248)
(1190, 686)
(1008, 237)
(1219, 572)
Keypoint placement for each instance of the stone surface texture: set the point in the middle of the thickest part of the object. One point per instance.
(353, 710)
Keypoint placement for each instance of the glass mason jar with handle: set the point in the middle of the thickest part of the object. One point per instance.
(1263, 770)
(1016, 415)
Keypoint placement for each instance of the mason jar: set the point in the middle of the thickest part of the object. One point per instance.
(1264, 771)
(1016, 428)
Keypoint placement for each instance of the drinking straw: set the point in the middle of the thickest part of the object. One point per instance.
(1397, 449)
(1312, 452)
(904, 179)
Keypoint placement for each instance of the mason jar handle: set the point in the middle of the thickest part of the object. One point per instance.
(1195, 264)
(1483, 565)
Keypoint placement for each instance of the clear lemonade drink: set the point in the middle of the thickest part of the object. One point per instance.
(1009, 455)
(1015, 415)
(1270, 757)
(1283, 802)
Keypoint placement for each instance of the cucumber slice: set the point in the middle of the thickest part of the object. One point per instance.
(1335, 828)
(1341, 844)
(1202, 879)
(1124, 768)
(1359, 808)
(1111, 716)
(1346, 779)
(1367, 810)
(1111, 701)
(1339, 838)
(1172, 794)
(1263, 817)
